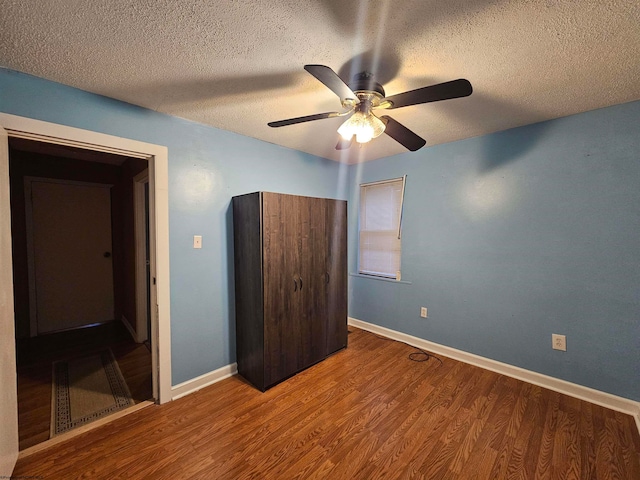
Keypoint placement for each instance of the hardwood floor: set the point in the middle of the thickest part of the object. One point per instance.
(35, 357)
(367, 412)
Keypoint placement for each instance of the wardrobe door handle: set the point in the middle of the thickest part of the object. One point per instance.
(300, 278)
(327, 276)
(295, 285)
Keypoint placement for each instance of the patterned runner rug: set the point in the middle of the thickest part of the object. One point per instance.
(86, 389)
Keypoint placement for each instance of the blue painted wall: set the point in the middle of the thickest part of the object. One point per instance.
(507, 238)
(207, 167)
(511, 237)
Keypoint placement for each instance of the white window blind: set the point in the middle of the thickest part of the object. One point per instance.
(380, 221)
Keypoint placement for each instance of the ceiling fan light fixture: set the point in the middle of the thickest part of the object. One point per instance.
(365, 126)
(363, 95)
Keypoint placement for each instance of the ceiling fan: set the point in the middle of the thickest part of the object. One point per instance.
(363, 95)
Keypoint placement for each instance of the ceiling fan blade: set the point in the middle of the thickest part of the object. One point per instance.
(332, 81)
(402, 134)
(308, 118)
(434, 93)
(344, 144)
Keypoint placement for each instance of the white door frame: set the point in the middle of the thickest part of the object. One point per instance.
(140, 236)
(8, 392)
(157, 156)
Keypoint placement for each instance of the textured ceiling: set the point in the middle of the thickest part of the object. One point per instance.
(238, 64)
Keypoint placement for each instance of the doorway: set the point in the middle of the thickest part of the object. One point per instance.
(12, 126)
(76, 213)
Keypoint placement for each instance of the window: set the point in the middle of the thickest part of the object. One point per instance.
(379, 229)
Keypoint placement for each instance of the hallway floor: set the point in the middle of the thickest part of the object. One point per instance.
(35, 357)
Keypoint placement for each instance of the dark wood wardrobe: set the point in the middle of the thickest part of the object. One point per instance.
(290, 283)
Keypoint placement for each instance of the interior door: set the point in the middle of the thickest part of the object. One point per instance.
(8, 392)
(336, 268)
(71, 238)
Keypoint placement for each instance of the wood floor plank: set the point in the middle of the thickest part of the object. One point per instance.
(587, 447)
(478, 421)
(627, 444)
(407, 441)
(366, 413)
(544, 464)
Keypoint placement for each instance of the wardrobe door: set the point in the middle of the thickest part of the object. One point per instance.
(281, 216)
(336, 270)
(312, 273)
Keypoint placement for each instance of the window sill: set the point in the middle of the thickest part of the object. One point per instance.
(384, 279)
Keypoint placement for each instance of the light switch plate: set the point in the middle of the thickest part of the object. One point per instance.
(197, 241)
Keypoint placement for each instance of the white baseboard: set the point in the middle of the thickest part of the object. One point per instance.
(591, 395)
(202, 381)
(132, 332)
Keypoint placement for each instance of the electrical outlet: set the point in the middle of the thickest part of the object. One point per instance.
(423, 312)
(559, 342)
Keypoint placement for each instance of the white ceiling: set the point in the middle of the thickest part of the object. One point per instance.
(237, 65)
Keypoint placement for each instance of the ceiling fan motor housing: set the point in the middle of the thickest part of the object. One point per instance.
(363, 82)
